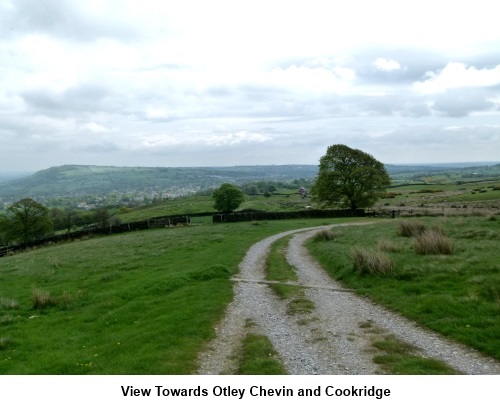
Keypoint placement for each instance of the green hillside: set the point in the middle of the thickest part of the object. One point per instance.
(71, 180)
(79, 180)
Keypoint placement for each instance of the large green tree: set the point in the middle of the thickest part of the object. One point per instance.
(350, 178)
(227, 198)
(28, 220)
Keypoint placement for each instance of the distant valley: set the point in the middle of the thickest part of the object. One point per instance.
(110, 184)
(163, 182)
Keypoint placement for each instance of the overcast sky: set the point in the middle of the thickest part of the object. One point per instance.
(220, 83)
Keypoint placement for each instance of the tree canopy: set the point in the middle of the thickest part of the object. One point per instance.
(27, 220)
(349, 178)
(227, 198)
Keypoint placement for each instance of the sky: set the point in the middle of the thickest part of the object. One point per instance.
(224, 83)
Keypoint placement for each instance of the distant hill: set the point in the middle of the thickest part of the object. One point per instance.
(74, 180)
(78, 180)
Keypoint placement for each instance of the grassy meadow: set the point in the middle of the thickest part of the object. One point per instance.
(137, 303)
(448, 198)
(446, 277)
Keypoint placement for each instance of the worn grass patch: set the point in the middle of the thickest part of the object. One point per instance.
(300, 306)
(278, 269)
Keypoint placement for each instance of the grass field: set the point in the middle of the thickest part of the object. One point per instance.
(286, 200)
(137, 303)
(477, 194)
(449, 198)
(456, 293)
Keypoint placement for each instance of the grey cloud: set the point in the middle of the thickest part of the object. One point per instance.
(61, 18)
(461, 102)
(75, 100)
(434, 143)
(104, 147)
(446, 137)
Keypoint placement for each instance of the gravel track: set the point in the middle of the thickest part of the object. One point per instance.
(336, 338)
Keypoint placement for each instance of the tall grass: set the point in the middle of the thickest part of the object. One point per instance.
(8, 303)
(370, 261)
(41, 299)
(410, 229)
(432, 242)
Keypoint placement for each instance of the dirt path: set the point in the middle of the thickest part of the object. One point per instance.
(336, 338)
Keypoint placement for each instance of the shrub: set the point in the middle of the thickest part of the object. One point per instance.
(432, 242)
(368, 261)
(411, 229)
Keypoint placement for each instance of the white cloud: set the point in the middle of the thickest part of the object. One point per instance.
(199, 138)
(236, 138)
(96, 128)
(306, 79)
(386, 65)
(458, 75)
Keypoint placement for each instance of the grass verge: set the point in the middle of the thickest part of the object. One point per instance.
(456, 295)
